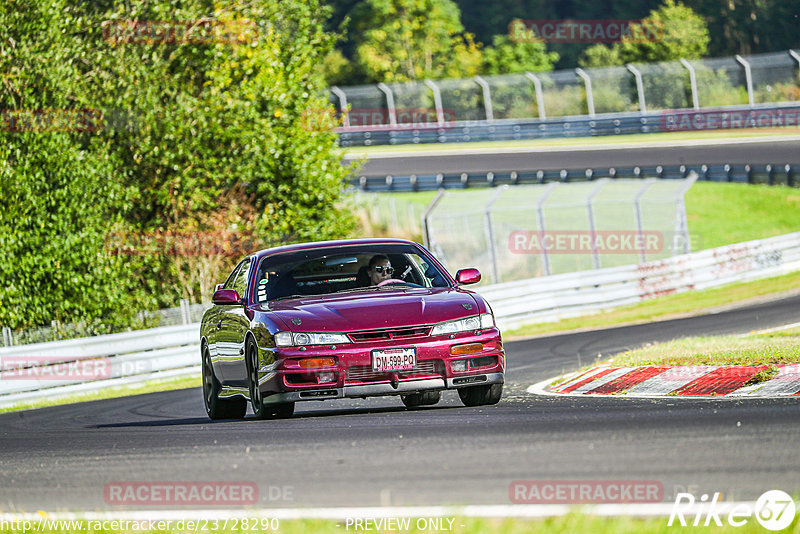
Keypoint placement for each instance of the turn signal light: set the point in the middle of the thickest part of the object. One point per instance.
(316, 362)
(466, 348)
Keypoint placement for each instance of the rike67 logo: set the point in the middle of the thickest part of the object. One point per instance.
(774, 510)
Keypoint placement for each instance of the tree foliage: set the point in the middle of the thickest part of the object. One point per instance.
(401, 40)
(185, 122)
(507, 57)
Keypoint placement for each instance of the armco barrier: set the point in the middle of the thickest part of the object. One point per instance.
(135, 357)
(733, 117)
(574, 294)
(41, 370)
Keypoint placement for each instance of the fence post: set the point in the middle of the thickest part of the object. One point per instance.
(692, 83)
(748, 76)
(540, 220)
(588, 83)
(437, 101)
(639, 87)
(637, 212)
(590, 213)
(426, 231)
(681, 221)
(537, 86)
(490, 233)
(487, 97)
(342, 105)
(8, 339)
(185, 311)
(789, 175)
(389, 103)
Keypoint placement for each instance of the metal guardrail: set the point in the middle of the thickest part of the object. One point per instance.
(42, 370)
(135, 357)
(756, 116)
(767, 174)
(569, 295)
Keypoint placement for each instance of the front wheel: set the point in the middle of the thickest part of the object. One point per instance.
(425, 398)
(217, 408)
(261, 410)
(481, 395)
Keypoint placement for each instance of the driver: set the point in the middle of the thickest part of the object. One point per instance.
(379, 269)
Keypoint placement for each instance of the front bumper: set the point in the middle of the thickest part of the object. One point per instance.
(385, 389)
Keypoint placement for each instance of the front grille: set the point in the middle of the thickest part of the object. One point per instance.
(394, 333)
(364, 373)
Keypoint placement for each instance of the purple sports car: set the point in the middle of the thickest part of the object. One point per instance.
(354, 318)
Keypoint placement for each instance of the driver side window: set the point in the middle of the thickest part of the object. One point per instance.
(240, 280)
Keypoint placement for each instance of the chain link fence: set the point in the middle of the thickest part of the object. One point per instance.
(525, 231)
(706, 83)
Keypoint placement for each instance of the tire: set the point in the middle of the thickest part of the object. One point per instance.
(481, 395)
(261, 410)
(425, 398)
(217, 408)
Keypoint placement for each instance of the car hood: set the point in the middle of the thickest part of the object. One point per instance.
(384, 308)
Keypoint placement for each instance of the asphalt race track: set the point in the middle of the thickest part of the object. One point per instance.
(375, 452)
(775, 151)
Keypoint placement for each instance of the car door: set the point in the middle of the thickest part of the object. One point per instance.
(233, 327)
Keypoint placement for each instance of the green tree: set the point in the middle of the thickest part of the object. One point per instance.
(507, 57)
(671, 32)
(225, 136)
(401, 40)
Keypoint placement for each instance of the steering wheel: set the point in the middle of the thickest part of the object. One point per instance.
(391, 281)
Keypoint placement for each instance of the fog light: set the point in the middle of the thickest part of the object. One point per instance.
(458, 365)
(327, 377)
(466, 348)
(316, 362)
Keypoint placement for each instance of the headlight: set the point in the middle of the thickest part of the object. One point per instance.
(464, 325)
(289, 339)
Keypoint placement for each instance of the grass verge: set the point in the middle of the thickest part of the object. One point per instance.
(151, 386)
(664, 137)
(667, 307)
(754, 349)
(567, 524)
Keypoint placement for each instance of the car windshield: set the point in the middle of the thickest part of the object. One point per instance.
(323, 271)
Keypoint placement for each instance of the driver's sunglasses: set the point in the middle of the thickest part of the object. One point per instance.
(380, 269)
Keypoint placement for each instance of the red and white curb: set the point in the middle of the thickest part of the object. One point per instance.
(680, 381)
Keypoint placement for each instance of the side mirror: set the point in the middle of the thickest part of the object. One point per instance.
(226, 297)
(468, 276)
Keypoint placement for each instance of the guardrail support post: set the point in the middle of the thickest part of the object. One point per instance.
(537, 86)
(789, 175)
(487, 97)
(692, 83)
(639, 87)
(588, 83)
(681, 221)
(389, 103)
(185, 312)
(437, 101)
(748, 76)
(342, 105)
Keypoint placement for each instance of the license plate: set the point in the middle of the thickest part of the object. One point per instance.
(394, 359)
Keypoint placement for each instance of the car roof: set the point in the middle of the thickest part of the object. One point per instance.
(335, 243)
